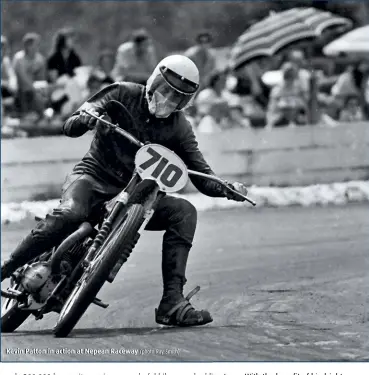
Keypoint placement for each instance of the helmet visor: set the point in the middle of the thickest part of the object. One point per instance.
(177, 99)
(178, 82)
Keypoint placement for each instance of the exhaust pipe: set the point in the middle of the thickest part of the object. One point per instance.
(82, 232)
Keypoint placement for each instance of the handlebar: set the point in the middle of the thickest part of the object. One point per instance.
(138, 143)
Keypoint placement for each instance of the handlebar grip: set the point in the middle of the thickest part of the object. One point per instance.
(244, 197)
(239, 194)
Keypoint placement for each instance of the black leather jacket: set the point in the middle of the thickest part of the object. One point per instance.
(111, 157)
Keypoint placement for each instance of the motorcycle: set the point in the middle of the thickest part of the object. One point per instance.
(67, 278)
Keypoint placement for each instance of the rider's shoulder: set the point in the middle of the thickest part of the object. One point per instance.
(183, 126)
(130, 88)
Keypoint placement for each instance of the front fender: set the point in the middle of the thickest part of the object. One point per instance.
(145, 193)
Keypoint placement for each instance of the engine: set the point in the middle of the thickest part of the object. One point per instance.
(38, 280)
(35, 277)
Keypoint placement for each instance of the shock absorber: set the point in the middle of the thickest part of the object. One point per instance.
(103, 232)
(99, 239)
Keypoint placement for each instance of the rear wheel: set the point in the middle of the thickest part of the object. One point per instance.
(12, 317)
(122, 240)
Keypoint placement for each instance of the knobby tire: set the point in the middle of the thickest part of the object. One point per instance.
(122, 236)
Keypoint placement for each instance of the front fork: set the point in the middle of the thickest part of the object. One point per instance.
(119, 206)
(106, 227)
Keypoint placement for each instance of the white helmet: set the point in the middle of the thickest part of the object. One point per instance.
(172, 85)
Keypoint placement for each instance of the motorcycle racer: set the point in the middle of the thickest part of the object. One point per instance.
(157, 113)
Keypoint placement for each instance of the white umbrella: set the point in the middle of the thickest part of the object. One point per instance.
(355, 42)
(279, 30)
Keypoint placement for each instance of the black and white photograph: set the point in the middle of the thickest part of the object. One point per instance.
(184, 182)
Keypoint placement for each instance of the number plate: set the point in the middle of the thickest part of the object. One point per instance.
(158, 163)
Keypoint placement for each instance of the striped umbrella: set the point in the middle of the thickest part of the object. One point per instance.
(279, 30)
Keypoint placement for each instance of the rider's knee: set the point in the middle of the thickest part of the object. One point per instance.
(72, 211)
(187, 210)
(61, 218)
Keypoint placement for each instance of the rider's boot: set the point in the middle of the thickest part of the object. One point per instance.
(174, 309)
(28, 249)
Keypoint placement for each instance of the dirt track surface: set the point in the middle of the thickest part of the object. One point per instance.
(285, 284)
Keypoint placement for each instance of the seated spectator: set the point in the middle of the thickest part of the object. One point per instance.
(351, 81)
(30, 67)
(105, 67)
(10, 126)
(240, 95)
(61, 67)
(135, 59)
(203, 56)
(94, 84)
(213, 93)
(253, 74)
(288, 101)
(222, 117)
(237, 116)
(217, 120)
(352, 111)
(298, 58)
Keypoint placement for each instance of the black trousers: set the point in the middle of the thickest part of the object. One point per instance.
(83, 193)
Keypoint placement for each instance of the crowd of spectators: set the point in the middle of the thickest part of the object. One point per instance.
(39, 93)
(287, 90)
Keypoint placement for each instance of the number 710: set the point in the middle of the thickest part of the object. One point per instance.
(169, 173)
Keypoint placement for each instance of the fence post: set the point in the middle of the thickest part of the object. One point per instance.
(313, 107)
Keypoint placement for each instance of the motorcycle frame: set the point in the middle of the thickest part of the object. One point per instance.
(121, 203)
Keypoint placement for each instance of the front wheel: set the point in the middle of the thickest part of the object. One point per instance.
(123, 238)
(12, 317)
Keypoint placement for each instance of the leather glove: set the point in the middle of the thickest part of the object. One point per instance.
(93, 123)
(238, 186)
(87, 120)
(103, 128)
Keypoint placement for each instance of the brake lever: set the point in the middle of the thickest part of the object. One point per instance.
(240, 195)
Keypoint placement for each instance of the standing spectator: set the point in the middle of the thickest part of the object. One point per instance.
(8, 77)
(202, 55)
(105, 67)
(64, 58)
(136, 58)
(288, 100)
(8, 90)
(30, 67)
(61, 65)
